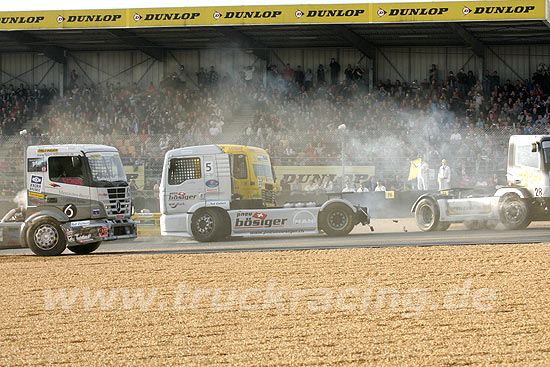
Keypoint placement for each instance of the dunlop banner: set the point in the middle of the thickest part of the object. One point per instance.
(277, 14)
(304, 174)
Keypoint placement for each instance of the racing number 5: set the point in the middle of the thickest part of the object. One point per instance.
(208, 167)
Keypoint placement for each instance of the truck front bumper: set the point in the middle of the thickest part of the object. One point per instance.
(88, 231)
(121, 229)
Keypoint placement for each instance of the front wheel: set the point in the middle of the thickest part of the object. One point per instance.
(85, 249)
(427, 216)
(514, 212)
(46, 238)
(208, 225)
(336, 220)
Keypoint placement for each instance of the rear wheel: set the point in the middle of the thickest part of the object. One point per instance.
(85, 249)
(208, 225)
(427, 215)
(336, 220)
(514, 212)
(46, 238)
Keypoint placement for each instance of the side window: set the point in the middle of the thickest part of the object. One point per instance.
(525, 157)
(66, 170)
(37, 165)
(239, 166)
(183, 169)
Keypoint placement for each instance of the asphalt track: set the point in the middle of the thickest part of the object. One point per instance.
(170, 245)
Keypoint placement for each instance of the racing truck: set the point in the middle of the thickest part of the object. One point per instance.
(524, 199)
(211, 192)
(76, 197)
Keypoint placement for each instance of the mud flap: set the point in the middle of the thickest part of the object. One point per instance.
(362, 215)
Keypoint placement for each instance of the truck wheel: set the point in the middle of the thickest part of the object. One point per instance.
(46, 238)
(85, 249)
(208, 225)
(514, 212)
(336, 220)
(427, 215)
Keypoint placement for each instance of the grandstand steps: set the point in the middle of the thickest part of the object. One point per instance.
(236, 125)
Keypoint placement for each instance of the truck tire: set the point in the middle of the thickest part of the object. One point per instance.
(336, 220)
(427, 215)
(85, 249)
(46, 238)
(208, 224)
(514, 212)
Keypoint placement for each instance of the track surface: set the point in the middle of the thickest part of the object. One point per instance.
(388, 237)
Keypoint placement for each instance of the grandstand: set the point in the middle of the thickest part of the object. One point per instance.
(452, 80)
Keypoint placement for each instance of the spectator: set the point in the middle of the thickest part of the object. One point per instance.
(334, 71)
(379, 186)
(444, 176)
(348, 188)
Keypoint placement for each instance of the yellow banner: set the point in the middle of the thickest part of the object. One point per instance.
(137, 174)
(305, 174)
(278, 14)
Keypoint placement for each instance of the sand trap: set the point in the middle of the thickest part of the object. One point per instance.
(280, 308)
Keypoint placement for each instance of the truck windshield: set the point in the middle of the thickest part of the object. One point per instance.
(546, 151)
(263, 170)
(107, 169)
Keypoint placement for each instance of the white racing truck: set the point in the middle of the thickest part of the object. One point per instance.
(76, 197)
(211, 192)
(526, 197)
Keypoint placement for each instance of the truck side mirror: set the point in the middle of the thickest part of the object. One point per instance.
(534, 147)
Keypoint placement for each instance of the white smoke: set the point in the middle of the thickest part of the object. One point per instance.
(21, 199)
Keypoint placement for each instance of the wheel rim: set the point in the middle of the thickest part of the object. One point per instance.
(425, 216)
(46, 237)
(338, 220)
(514, 212)
(205, 224)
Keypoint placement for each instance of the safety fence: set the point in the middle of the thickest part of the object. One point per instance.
(476, 156)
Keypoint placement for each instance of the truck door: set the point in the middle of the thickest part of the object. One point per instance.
(525, 169)
(36, 169)
(185, 184)
(67, 187)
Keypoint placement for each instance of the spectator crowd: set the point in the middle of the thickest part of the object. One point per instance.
(464, 118)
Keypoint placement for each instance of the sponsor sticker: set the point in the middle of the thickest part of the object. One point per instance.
(83, 237)
(72, 181)
(47, 150)
(36, 183)
(257, 220)
(303, 217)
(80, 223)
(212, 183)
(95, 212)
(36, 195)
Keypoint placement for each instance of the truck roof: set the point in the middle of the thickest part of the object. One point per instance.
(197, 149)
(528, 138)
(212, 149)
(70, 148)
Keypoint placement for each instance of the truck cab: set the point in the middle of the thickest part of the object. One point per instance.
(77, 196)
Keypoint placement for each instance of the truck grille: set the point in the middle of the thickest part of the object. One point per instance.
(268, 197)
(119, 202)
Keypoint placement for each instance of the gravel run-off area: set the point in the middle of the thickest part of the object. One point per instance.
(431, 306)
